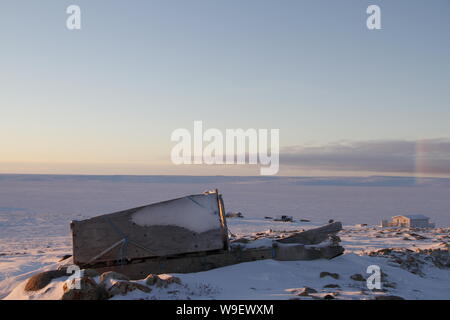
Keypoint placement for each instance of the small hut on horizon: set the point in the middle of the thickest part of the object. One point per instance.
(409, 221)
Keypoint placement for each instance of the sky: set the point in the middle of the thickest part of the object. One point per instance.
(105, 99)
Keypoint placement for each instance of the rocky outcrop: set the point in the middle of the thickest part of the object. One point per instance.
(152, 279)
(167, 279)
(324, 274)
(414, 260)
(84, 289)
(123, 287)
(112, 275)
(357, 277)
(306, 291)
(162, 280)
(332, 286)
(111, 284)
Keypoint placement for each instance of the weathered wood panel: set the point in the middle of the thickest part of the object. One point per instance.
(151, 231)
(314, 236)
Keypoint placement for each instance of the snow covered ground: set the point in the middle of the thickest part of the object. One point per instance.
(35, 212)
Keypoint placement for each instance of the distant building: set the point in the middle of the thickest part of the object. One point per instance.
(409, 221)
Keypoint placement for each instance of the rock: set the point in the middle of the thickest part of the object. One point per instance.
(414, 260)
(113, 276)
(306, 291)
(49, 289)
(162, 280)
(123, 287)
(379, 290)
(357, 277)
(331, 285)
(329, 274)
(388, 298)
(88, 290)
(329, 297)
(41, 280)
(305, 220)
(416, 236)
(153, 279)
(167, 279)
(381, 252)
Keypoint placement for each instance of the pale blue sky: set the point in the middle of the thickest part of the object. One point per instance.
(114, 91)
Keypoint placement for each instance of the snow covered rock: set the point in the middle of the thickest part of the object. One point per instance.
(357, 277)
(124, 287)
(152, 279)
(84, 288)
(162, 280)
(41, 280)
(112, 275)
(332, 286)
(167, 279)
(415, 260)
(306, 291)
(324, 274)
